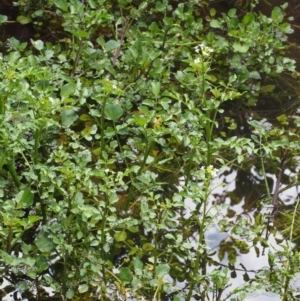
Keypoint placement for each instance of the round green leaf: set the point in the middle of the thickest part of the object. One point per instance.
(120, 236)
(68, 117)
(83, 288)
(125, 275)
(39, 45)
(70, 294)
(44, 244)
(41, 264)
(113, 111)
(162, 270)
(215, 24)
(23, 19)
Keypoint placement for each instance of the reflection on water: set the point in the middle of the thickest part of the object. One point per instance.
(243, 192)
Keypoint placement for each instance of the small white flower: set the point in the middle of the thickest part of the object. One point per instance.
(197, 48)
(205, 50)
(116, 271)
(197, 60)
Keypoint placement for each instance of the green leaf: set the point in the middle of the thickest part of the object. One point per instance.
(39, 45)
(68, 117)
(24, 198)
(136, 49)
(113, 111)
(120, 236)
(125, 275)
(70, 294)
(23, 19)
(83, 288)
(41, 264)
(44, 244)
(240, 47)
(215, 24)
(138, 266)
(277, 14)
(248, 18)
(67, 90)
(155, 87)
(283, 119)
(147, 246)
(267, 88)
(62, 4)
(162, 270)
(3, 19)
(25, 248)
(111, 45)
(33, 218)
(92, 3)
(160, 6)
(13, 57)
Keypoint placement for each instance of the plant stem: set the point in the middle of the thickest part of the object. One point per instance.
(13, 173)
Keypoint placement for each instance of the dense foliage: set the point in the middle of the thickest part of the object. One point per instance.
(114, 123)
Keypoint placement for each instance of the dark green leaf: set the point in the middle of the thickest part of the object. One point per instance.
(125, 275)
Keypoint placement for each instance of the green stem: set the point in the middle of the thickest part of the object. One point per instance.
(78, 55)
(201, 260)
(13, 173)
(131, 189)
(102, 129)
